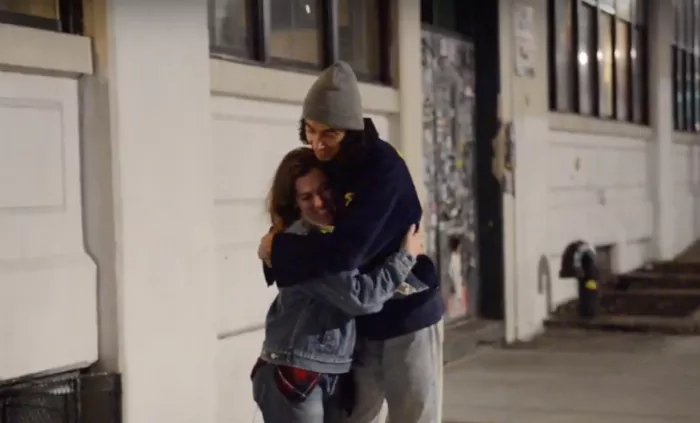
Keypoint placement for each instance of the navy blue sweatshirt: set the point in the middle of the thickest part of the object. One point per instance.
(376, 203)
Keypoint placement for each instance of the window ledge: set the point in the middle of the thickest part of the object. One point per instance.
(589, 125)
(686, 138)
(261, 83)
(40, 51)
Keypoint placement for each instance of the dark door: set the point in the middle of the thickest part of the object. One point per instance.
(449, 146)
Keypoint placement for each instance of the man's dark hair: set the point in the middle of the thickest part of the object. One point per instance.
(352, 148)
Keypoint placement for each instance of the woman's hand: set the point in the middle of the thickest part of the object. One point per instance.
(265, 248)
(413, 242)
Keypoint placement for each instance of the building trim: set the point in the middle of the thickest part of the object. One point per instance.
(262, 83)
(596, 126)
(45, 52)
(686, 138)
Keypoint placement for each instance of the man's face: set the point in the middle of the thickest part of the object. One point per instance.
(314, 198)
(324, 141)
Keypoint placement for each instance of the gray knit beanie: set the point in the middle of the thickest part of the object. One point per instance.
(334, 99)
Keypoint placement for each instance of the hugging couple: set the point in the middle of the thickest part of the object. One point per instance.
(358, 316)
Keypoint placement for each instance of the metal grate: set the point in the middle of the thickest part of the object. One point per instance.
(67, 398)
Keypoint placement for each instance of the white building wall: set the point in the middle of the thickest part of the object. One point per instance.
(176, 162)
(598, 191)
(686, 194)
(607, 183)
(48, 313)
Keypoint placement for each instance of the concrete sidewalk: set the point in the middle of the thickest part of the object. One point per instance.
(576, 377)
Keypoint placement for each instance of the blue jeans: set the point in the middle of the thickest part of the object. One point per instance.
(406, 371)
(320, 405)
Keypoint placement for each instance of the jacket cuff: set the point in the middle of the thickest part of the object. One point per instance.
(405, 260)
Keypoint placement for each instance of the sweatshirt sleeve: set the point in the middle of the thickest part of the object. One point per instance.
(358, 293)
(303, 258)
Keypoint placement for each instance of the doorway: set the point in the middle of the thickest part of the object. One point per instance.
(448, 146)
(461, 85)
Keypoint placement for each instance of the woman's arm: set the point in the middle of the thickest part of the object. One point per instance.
(358, 293)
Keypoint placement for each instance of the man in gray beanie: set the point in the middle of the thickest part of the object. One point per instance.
(399, 348)
(332, 106)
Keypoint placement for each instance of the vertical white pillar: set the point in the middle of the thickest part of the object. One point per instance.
(410, 73)
(161, 157)
(661, 119)
(524, 104)
(411, 90)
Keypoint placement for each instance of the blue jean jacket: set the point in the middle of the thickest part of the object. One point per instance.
(311, 326)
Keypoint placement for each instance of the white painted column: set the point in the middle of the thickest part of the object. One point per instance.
(506, 113)
(524, 104)
(661, 117)
(411, 90)
(410, 74)
(150, 102)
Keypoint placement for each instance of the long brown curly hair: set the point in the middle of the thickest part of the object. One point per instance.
(281, 200)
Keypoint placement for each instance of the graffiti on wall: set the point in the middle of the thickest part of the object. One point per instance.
(503, 163)
(449, 149)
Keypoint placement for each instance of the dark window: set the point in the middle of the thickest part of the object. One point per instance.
(304, 34)
(638, 83)
(228, 26)
(622, 70)
(586, 58)
(685, 56)
(53, 15)
(606, 107)
(564, 60)
(605, 74)
(696, 68)
(358, 31)
(295, 31)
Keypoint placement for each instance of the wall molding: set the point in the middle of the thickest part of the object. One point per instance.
(596, 126)
(687, 138)
(44, 52)
(263, 83)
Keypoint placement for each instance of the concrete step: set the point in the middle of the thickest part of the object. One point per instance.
(662, 297)
(661, 303)
(672, 267)
(644, 324)
(645, 280)
(645, 310)
(642, 302)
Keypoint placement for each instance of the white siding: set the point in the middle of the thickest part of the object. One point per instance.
(48, 312)
(686, 195)
(598, 191)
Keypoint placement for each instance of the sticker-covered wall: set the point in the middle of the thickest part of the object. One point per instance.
(448, 146)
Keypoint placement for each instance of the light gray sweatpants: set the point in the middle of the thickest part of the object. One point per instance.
(406, 372)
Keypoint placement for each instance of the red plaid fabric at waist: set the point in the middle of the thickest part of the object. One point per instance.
(294, 383)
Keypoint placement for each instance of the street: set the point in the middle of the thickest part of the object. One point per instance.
(578, 377)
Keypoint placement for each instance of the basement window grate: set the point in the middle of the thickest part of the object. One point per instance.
(67, 398)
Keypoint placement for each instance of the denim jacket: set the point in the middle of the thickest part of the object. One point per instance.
(311, 326)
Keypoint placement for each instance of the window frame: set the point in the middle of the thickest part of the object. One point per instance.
(258, 20)
(636, 21)
(69, 18)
